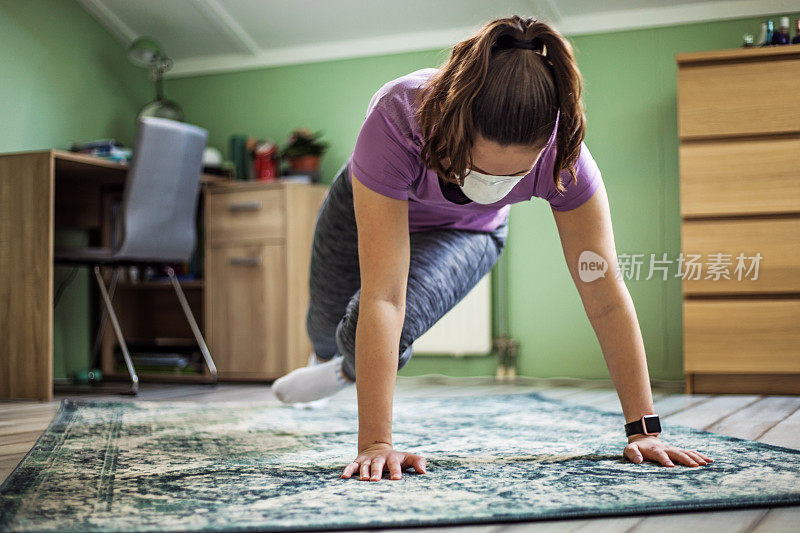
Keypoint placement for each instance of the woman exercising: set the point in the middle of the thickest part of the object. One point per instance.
(419, 214)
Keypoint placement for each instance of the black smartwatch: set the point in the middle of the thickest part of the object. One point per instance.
(647, 425)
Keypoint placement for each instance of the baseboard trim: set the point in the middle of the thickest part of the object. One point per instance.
(706, 383)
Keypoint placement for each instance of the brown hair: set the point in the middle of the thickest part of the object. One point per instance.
(508, 95)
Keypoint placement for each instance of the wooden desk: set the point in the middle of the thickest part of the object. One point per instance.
(39, 190)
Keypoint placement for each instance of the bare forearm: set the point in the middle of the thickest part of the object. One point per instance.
(620, 338)
(377, 340)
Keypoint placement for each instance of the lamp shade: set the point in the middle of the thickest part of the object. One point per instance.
(144, 51)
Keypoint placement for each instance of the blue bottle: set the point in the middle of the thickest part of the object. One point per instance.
(770, 33)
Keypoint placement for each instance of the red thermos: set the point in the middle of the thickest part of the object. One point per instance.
(265, 162)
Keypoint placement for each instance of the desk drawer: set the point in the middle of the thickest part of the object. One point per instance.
(735, 335)
(246, 307)
(776, 239)
(245, 215)
(738, 177)
(739, 98)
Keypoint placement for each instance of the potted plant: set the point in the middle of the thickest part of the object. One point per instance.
(304, 150)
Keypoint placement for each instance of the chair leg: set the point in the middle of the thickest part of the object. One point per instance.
(98, 340)
(115, 323)
(212, 368)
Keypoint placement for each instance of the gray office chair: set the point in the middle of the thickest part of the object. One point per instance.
(158, 213)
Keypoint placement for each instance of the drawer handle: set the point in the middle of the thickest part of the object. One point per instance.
(245, 261)
(244, 206)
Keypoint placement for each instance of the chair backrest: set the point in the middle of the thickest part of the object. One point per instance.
(159, 205)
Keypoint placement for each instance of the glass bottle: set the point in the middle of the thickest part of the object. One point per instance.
(762, 35)
(770, 32)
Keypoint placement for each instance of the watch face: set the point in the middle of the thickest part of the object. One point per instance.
(652, 424)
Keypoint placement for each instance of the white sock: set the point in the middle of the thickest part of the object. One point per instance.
(311, 382)
(316, 404)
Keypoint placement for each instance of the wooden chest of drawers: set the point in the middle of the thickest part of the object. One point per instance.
(739, 128)
(257, 253)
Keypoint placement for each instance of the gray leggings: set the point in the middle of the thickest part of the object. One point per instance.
(445, 264)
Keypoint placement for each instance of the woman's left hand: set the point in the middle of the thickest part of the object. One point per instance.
(651, 447)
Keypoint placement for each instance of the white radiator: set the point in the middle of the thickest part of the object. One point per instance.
(465, 330)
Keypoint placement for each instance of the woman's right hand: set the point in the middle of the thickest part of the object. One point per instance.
(372, 459)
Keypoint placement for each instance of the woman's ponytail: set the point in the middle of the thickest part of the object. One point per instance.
(569, 87)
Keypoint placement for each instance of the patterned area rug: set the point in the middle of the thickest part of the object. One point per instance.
(266, 467)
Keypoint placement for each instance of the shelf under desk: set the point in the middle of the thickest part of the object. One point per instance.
(39, 191)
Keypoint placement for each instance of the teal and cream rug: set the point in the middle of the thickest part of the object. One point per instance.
(266, 467)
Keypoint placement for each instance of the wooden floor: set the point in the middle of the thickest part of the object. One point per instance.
(769, 419)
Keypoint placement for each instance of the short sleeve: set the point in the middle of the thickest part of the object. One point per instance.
(381, 159)
(588, 180)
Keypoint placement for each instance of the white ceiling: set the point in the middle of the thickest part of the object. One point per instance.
(204, 36)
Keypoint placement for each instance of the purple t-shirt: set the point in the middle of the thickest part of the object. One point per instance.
(386, 158)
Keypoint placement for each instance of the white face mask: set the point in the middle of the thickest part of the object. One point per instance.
(486, 188)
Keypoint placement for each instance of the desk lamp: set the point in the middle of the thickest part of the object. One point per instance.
(146, 52)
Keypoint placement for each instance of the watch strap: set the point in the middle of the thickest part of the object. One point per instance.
(647, 425)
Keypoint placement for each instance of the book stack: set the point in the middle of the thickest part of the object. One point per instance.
(105, 148)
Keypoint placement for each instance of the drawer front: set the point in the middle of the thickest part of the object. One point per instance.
(739, 98)
(737, 177)
(776, 239)
(245, 216)
(758, 336)
(246, 303)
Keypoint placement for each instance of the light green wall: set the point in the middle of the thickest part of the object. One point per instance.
(630, 96)
(63, 78)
